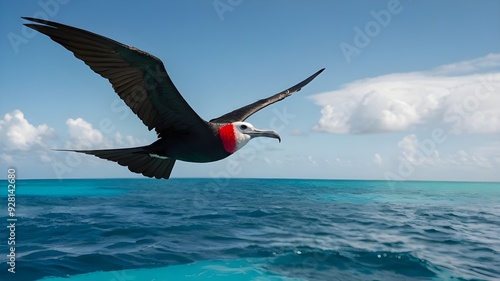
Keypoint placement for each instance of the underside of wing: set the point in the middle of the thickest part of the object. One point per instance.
(139, 78)
(241, 114)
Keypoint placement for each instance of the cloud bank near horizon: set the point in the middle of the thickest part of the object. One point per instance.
(22, 140)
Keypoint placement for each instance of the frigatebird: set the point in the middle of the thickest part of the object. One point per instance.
(141, 81)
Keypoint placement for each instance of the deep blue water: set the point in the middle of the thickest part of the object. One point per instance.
(253, 229)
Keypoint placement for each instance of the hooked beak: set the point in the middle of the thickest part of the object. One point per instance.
(261, 133)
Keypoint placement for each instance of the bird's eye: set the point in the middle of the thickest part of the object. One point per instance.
(243, 127)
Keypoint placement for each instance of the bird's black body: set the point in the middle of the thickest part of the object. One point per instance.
(191, 149)
(142, 82)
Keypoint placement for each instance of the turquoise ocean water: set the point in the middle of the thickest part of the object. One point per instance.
(252, 229)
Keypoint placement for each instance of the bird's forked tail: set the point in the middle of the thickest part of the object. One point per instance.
(137, 159)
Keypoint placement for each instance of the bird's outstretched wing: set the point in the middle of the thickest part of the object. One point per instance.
(139, 78)
(243, 113)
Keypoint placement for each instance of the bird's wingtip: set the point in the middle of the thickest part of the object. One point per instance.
(37, 20)
(317, 73)
(29, 18)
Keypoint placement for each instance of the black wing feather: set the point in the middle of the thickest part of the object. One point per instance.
(139, 78)
(243, 113)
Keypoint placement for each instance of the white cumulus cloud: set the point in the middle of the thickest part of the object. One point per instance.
(16, 133)
(22, 141)
(83, 136)
(461, 103)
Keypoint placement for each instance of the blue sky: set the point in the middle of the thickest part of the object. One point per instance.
(411, 88)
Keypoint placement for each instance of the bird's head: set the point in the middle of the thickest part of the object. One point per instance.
(235, 135)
